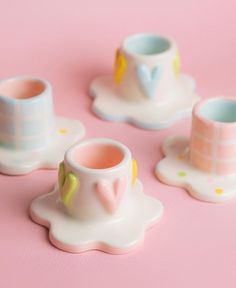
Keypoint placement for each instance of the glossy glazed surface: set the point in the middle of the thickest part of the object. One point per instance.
(69, 43)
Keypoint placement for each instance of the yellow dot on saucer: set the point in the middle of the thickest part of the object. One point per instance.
(182, 174)
(176, 64)
(134, 171)
(62, 131)
(120, 67)
(219, 191)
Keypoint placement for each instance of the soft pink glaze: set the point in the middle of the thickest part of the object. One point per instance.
(226, 152)
(213, 144)
(227, 132)
(204, 128)
(110, 194)
(200, 161)
(21, 88)
(201, 145)
(98, 156)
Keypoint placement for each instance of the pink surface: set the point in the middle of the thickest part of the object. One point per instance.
(69, 43)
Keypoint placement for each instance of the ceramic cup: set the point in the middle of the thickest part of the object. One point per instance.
(98, 202)
(213, 137)
(147, 88)
(147, 67)
(26, 113)
(95, 180)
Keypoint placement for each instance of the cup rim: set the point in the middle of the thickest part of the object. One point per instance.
(198, 106)
(170, 41)
(69, 159)
(47, 88)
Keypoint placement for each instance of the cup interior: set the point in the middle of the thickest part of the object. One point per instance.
(98, 156)
(21, 88)
(219, 110)
(145, 44)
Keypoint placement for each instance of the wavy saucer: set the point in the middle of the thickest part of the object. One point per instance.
(177, 170)
(115, 237)
(110, 105)
(17, 162)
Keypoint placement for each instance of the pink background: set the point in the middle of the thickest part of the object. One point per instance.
(69, 43)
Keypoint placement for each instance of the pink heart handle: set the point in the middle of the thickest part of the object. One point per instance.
(110, 194)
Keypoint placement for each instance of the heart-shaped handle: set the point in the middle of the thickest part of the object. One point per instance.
(148, 79)
(68, 185)
(120, 67)
(111, 193)
(61, 175)
(134, 171)
(176, 64)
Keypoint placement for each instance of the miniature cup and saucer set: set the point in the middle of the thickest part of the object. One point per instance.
(31, 136)
(98, 202)
(205, 163)
(147, 89)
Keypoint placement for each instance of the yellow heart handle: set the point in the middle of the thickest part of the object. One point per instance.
(120, 67)
(61, 175)
(68, 184)
(176, 64)
(69, 188)
(134, 171)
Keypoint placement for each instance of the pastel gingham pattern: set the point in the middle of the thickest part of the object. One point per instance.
(213, 144)
(26, 123)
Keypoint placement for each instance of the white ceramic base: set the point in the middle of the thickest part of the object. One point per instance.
(109, 105)
(18, 162)
(176, 169)
(116, 237)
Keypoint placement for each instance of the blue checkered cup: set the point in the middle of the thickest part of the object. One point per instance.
(31, 135)
(26, 113)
